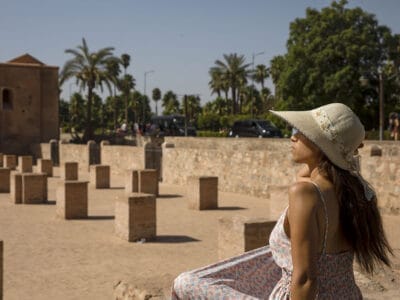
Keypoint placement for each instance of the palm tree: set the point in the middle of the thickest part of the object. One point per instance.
(90, 71)
(170, 103)
(216, 82)
(156, 97)
(127, 83)
(242, 83)
(233, 69)
(261, 73)
(193, 107)
(113, 72)
(125, 61)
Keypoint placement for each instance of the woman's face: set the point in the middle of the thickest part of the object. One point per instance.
(303, 151)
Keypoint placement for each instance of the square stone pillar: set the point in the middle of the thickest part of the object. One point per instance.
(16, 187)
(25, 164)
(100, 176)
(148, 181)
(239, 234)
(131, 181)
(5, 180)
(34, 188)
(202, 192)
(69, 170)
(45, 166)
(10, 161)
(72, 199)
(135, 216)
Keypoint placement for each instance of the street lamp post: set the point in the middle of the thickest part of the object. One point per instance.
(254, 55)
(144, 92)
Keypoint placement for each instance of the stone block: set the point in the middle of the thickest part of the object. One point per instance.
(100, 176)
(45, 166)
(69, 170)
(25, 164)
(72, 199)
(5, 180)
(16, 187)
(135, 216)
(34, 188)
(148, 181)
(202, 192)
(10, 161)
(131, 181)
(239, 234)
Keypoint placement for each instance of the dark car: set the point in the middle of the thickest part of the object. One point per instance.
(254, 128)
(170, 125)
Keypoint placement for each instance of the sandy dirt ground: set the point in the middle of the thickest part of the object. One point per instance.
(49, 258)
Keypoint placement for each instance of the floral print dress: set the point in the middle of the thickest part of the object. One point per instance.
(265, 273)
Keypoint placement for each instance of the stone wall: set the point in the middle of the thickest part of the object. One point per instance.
(245, 165)
(121, 158)
(383, 172)
(75, 152)
(250, 166)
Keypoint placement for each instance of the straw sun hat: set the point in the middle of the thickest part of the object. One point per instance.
(336, 131)
(333, 128)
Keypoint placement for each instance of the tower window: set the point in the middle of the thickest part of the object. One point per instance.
(7, 99)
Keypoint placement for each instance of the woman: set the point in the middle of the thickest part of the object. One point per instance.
(332, 216)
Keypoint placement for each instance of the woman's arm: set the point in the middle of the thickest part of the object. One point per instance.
(303, 202)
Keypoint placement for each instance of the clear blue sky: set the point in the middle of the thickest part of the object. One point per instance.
(179, 40)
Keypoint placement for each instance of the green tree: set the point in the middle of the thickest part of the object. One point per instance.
(125, 61)
(234, 70)
(261, 73)
(90, 71)
(170, 103)
(156, 97)
(64, 114)
(113, 72)
(327, 52)
(127, 82)
(193, 108)
(77, 109)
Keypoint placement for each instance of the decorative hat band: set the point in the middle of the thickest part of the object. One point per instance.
(325, 124)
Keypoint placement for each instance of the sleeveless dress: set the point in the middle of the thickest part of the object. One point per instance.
(265, 273)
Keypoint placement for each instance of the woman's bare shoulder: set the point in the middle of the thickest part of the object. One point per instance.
(304, 194)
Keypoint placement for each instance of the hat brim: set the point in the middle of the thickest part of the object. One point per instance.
(306, 124)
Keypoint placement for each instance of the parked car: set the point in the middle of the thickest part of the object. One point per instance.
(254, 128)
(169, 125)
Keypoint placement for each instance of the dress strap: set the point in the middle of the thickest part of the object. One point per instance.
(326, 216)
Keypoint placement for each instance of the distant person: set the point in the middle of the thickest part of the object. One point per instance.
(136, 128)
(331, 218)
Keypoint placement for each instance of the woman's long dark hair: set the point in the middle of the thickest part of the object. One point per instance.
(360, 219)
